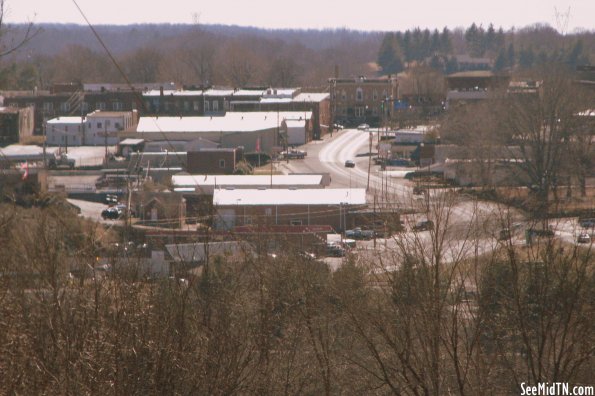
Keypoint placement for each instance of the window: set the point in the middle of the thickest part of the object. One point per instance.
(359, 95)
(206, 106)
(295, 222)
(117, 125)
(343, 95)
(360, 111)
(268, 212)
(99, 126)
(247, 219)
(48, 106)
(100, 106)
(196, 105)
(65, 107)
(186, 105)
(117, 106)
(221, 163)
(215, 105)
(85, 106)
(225, 105)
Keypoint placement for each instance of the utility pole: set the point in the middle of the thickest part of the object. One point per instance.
(369, 162)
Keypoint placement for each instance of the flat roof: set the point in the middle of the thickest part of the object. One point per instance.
(99, 113)
(172, 92)
(218, 92)
(66, 120)
(30, 149)
(275, 100)
(249, 92)
(336, 196)
(230, 122)
(131, 142)
(244, 180)
(311, 97)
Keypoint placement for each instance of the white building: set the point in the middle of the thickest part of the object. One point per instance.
(102, 127)
(65, 131)
(96, 129)
(232, 129)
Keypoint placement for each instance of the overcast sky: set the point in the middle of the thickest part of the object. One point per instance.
(317, 14)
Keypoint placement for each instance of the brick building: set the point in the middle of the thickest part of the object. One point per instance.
(217, 161)
(361, 99)
(327, 207)
(15, 124)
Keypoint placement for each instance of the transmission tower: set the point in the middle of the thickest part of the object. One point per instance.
(562, 19)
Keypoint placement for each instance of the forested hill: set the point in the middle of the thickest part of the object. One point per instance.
(237, 56)
(193, 54)
(54, 38)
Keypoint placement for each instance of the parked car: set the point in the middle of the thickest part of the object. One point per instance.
(358, 233)
(338, 126)
(363, 127)
(587, 223)
(335, 250)
(111, 213)
(307, 255)
(294, 154)
(418, 190)
(583, 238)
(425, 225)
(349, 164)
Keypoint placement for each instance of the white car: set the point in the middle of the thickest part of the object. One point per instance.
(363, 127)
(583, 237)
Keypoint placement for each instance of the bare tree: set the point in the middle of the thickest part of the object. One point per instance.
(15, 43)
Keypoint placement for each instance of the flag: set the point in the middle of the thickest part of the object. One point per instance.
(258, 145)
(25, 166)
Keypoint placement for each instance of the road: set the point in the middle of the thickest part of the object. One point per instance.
(473, 225)
(329, 155)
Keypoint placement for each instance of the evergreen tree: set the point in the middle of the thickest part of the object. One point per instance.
(500, 39)
(575, 54)
(501, 61)
(389, 55)
(475, 40)
(436, 63)
(445, 41)
(510, 56)
(452, 66)
(526, 58)
(490, 39)
(407, 46)
(425, 49)
(435, 42)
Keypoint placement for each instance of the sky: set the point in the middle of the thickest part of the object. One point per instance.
(383, 15)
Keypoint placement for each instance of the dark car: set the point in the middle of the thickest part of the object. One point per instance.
(335, 250)
(425, 225)
(349, 164)
(587, 223)
(111, 214)
(358, 233)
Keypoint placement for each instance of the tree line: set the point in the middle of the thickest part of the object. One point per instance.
(523, 49)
